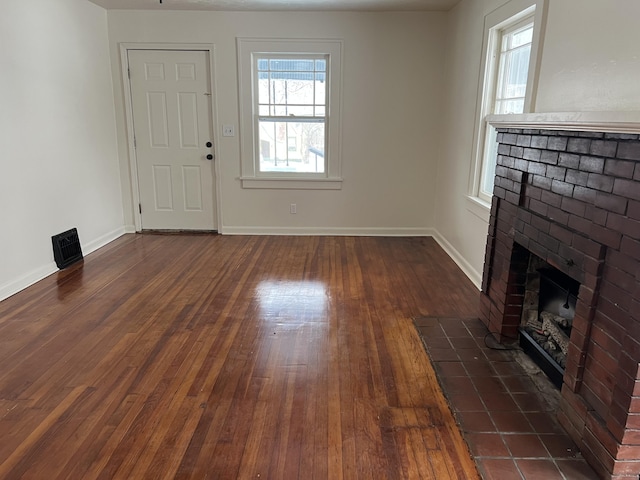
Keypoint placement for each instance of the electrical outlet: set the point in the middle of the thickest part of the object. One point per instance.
(228, 131)
(293, 208)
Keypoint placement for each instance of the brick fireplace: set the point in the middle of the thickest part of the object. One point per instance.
(572, 199)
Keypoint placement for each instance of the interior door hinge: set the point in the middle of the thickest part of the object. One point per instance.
(135, 143)
(129, 73)
(140, 208)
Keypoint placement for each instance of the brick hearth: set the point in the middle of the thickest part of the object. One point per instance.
(573, 199)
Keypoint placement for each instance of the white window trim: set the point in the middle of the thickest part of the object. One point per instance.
(508, 14)
(251, 177)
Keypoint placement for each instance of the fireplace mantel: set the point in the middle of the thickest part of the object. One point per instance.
(608, 122)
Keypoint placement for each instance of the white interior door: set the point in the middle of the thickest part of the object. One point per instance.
(170, 100)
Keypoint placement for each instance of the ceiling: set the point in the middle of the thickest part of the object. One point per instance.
(314, 5)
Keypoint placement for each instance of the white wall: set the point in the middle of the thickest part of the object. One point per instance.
(391, 116)
(57, 135)
(590, 62)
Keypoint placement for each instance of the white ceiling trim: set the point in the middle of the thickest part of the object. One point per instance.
(269, 5)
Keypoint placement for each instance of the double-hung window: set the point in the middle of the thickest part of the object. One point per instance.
(290, 113)
(290, 108)
(511, 48)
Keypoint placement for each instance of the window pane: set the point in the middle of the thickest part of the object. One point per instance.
(299, 91)
(522, 37)
(513, 72)
(490, 160)
(292, 146)
(519, 68)
(263, 89)
(300, 110)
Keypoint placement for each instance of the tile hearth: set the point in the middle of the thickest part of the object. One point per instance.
(505, 409)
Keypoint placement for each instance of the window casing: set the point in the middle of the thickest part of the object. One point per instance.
(290, 113)
(508, 81)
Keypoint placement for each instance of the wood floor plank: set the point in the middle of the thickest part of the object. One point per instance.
(204, 356)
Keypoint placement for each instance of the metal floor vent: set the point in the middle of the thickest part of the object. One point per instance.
(66, 248)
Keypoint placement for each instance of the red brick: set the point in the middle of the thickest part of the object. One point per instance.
(619, 168)
(613, 328)
(596, 426)
(634, 210)
(604, 148)
(538, 207)
(549, 157)
(557, 143)
(622, 262)
(592, 164)
(597, 215)
(619, 278)
(615, 295)
(631, 439)
(592, 266)
(509, 138)
(562, 234)
(629, 469)
(569, 160)
(613, 203)
(581, 324)
(626, 188)
(556, 173)
(605, 236)
(630, 247)
(550, 198)
(585, 194)
(558, 216)
(542, 182)
(600, 182)
(595, 393)
(603, 339)
(574, 207)
(629, 150)
(576, 177)
(578, 145)
(588, 246)
(629, 452)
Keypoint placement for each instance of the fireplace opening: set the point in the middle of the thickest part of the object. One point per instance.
(547, 317)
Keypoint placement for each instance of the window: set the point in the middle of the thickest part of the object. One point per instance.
(290, 113)
(508, 80)
(291, 105)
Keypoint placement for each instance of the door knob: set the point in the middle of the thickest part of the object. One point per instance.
(209, 144)
(209, 157)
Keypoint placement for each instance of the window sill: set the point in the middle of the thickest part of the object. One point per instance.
(479, 208)
(292, 183)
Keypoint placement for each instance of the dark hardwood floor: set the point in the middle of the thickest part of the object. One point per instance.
(222, 357)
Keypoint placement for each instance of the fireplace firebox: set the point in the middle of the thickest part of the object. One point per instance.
(547, 317)
(570, 200)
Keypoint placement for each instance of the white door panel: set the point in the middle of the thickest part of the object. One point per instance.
(172, 125)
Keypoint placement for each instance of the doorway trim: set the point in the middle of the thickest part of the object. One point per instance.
(213, 113)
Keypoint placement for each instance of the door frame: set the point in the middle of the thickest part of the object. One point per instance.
(213, 111)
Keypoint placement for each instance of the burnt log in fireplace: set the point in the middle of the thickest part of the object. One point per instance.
(572, 200)
(545, 330)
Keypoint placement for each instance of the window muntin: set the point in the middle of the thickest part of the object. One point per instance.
(290, 110)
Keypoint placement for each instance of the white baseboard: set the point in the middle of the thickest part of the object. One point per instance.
(44, 271)
(13, 287)
(101, 241)
(326, 231)
(463, 264)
